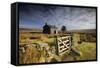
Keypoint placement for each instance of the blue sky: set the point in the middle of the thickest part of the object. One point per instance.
(35, 16)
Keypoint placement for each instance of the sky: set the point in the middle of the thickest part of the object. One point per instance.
(35, 16)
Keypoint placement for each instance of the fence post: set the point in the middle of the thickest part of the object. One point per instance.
(56, 46)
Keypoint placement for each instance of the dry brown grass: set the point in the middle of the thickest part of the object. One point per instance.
(32, 55)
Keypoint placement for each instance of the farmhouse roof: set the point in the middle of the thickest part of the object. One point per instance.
(52, 26)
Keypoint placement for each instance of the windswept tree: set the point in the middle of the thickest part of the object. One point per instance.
(63, 28)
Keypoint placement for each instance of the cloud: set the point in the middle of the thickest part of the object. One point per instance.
(71, 17)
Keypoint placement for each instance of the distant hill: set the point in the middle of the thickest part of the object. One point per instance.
(40, 30)
(30, 30)
(84, 31)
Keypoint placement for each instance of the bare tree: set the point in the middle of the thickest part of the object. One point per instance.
(63, 28)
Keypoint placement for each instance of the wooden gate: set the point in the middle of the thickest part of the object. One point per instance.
(63, 45)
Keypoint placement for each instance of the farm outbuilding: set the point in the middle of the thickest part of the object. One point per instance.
(50, 29)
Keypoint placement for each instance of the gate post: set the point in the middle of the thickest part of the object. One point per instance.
(56, 46)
